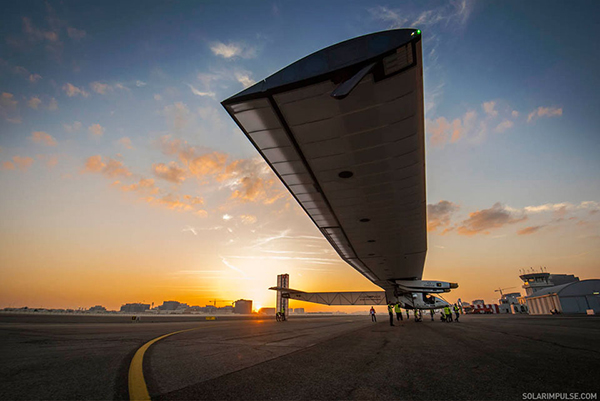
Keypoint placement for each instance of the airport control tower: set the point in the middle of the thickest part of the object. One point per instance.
(535, 281)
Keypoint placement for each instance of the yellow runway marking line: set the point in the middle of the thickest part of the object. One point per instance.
(137, 385)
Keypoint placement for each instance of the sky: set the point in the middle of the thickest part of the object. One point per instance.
(123, 179)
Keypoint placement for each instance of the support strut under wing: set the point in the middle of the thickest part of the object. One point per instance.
(335, 298)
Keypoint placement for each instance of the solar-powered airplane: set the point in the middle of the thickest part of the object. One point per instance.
(343, 129)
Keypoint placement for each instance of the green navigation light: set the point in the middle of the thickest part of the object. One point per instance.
(418, 31)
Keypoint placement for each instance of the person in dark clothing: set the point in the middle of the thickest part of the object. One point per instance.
(391, 312)
(373, 317)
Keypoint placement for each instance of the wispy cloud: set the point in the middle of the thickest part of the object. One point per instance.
(23, 163)
(232, 267)
(76, 34)
(481, 221)
(244, 79)
(125, 142)
(529, 230)
(107, 166)
(43, 138)
(171, 172)
(96, 130)
(72, 90)
(199, 93)
(70, 128)
(439, 215)
(544, 112)
(233, 50)
(8, 108)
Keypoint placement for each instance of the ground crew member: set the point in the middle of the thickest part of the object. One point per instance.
(282, 314)
(373, 317)
(432, 313)
(447, 313)
(391, 312)
(398, 311)
(407, 316)
(457, 312)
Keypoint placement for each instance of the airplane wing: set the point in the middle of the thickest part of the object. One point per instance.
(343, 129)
(334, 298)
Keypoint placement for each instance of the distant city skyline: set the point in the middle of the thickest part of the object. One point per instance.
(123, 178)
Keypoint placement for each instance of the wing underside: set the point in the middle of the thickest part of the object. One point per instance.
(355, 164)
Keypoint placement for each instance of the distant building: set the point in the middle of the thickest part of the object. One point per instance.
(572, 297)
(509, 303)
(478, 302)
(134, 308)
(97, 309)
(169, 305)
(243, 306)
(226, 309)
(267, 311)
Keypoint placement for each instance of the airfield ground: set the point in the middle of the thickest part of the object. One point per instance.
(487, 357)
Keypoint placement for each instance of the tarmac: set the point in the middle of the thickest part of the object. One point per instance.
(347, 357)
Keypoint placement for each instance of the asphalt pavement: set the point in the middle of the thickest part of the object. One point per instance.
(322, 358)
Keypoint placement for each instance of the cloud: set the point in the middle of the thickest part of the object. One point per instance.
(43, 138)
(76, 126)
(125, 142)
(157, 97)
(49, 160)
(72, 90)
(53, 104)
(198, 93)
(187, 203)
(529, 230)
(34, 102)
(244, 79)
(249, 180)
(248, 219)
(388, 16)
(560, 209)
(481, 221)
(20, 70)
(23, 163)
(100, 88)
(76, 34)
(140, 84)
(8, 108)
(8, 165)
(503, 126)
(108, 167)
(454, 13)
(171, 172)
(96, 130)
(35, 34)
(515, 114)
(442, 131)
(233, 50)
(439, 214)
(145, 185)
(544, 112)
(178, 115)
(33, 78)
(488, 108)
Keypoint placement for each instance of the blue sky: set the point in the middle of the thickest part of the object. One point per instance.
(113, 141)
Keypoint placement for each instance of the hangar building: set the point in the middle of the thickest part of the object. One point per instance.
(573, 297)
